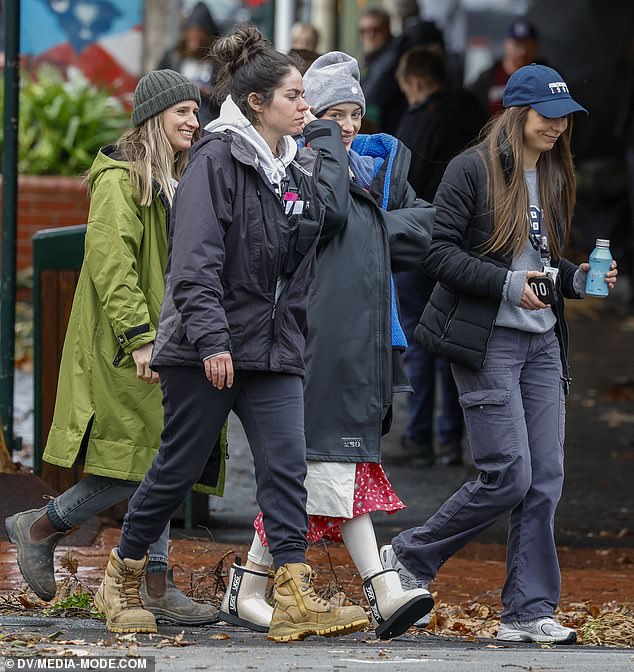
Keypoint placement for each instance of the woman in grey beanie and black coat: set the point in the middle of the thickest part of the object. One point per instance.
(354, 341)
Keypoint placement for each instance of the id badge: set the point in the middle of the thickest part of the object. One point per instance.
(551, 272)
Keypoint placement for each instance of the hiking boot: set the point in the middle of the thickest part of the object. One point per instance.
(244, 601)
(407, 579)
(393, 609)
(175, 607)
(35, 558)
(541, 630)
(299, 612)
(118, 596)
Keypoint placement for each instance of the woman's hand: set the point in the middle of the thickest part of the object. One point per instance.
(308, 117)
(219, 370)
(610, 276)
(142, 358)
(529, 298)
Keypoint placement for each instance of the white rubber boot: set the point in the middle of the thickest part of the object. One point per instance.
(244, 601)
(393, 609)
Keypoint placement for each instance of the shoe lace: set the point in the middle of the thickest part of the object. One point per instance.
(130, 582)
(309, 589)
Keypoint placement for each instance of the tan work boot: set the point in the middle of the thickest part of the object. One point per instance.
(299, 612)
(118, 596)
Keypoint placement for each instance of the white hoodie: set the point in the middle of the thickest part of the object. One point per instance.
(231, 118)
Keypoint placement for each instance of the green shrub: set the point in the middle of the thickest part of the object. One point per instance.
(64, 123)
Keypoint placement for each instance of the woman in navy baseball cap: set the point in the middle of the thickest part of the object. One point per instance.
(541, 88)
(503, 215)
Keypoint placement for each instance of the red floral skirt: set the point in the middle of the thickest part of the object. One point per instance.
(372, 492)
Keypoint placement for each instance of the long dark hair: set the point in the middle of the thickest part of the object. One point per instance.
(247, 63)
(502, 151)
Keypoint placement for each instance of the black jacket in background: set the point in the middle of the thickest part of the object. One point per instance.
(437, 130)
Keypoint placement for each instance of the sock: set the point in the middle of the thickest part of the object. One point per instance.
(258, 553)
(360, 540)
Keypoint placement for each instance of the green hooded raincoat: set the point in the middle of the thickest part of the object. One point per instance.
(115, 311)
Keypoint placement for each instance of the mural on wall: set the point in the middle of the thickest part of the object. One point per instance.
(101, 38)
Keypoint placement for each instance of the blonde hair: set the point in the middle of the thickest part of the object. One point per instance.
(502, 152)
(152, 160)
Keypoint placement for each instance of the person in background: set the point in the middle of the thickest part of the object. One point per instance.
(353, 363)
(416, 31)
(504, 212)
(439, 123)
(190, 56)
(451, 18)
(520, 48)
(108, 413)
(248, 216)
(304, 36)
(304, 40)
(385, 102)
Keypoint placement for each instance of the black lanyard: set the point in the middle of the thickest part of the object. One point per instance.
(538, 240)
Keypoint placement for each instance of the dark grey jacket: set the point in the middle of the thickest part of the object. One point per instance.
(348, 383)
(229, 244)
(458, 319)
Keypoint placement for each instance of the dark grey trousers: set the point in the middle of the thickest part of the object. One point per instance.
(514, 412)
(271, 408)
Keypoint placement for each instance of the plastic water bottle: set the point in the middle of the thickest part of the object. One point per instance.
(600, 261)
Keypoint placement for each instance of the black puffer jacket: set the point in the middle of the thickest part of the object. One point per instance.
(229, 245)
(458, 319)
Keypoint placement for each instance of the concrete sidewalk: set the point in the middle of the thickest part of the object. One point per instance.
(228, 648)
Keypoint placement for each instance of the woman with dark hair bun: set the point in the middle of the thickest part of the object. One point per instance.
(248, 215)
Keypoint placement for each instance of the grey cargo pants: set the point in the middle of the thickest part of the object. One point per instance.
(515, 413)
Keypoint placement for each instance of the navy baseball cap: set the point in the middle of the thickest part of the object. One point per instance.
(522, 30)
(543, 89)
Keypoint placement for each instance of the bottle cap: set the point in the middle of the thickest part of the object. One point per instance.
(603, 243)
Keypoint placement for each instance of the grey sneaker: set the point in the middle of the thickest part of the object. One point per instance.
(35, 559)
(408, 580)
(390, 561)
(541, 630)
(175, 607)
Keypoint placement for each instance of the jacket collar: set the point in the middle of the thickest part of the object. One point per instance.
(392, 161)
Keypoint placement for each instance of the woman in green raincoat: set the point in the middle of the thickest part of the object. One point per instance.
(108, 412)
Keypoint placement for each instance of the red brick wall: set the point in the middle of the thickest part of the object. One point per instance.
(46, 202)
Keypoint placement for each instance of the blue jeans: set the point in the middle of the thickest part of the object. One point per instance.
(423, 368)
(515, 415)
(92, 495)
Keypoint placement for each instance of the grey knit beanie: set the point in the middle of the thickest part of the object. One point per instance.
(333, 79)
(159, 90)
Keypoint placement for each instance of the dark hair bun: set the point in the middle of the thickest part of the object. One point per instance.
(237, 49)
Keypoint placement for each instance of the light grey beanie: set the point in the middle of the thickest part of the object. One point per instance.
(333, 79)
(159, 90)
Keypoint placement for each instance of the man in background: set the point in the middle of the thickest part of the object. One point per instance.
(521, 48)
(438, 124)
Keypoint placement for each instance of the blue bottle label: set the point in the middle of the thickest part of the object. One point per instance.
(600, 261)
